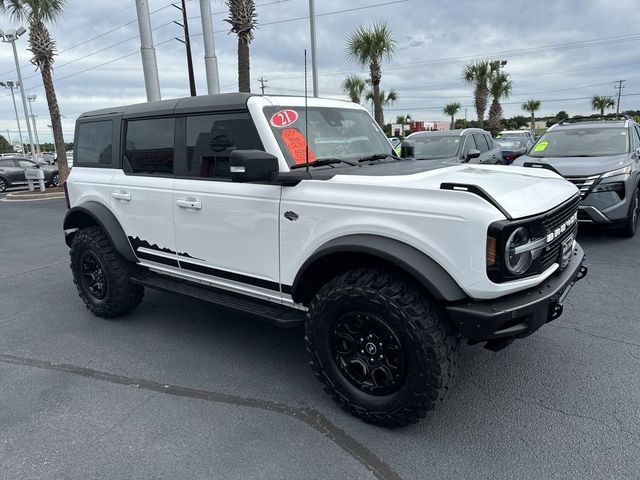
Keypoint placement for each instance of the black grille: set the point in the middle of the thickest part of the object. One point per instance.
(553, 220)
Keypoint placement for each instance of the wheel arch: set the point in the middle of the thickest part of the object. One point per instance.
(353, 251)
(92, 214)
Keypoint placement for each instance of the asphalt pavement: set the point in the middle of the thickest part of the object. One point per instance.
(182, 389)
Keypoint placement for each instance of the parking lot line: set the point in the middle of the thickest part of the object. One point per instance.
(34, 269)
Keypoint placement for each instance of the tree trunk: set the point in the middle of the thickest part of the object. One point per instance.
(375, 81)
(495, 114)
(453, 124)
(244, 80)
(480, 96)
(533, 121)
(54, 112)
(602, 111)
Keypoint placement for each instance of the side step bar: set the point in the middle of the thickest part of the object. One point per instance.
(280, 316)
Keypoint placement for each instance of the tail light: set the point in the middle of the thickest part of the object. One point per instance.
(66, 195)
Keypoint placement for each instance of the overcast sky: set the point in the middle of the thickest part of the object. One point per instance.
(558, 52)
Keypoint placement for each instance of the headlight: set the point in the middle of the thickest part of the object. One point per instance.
(521, 250)
(620, 171)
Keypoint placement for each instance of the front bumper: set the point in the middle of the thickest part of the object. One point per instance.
(500, 321)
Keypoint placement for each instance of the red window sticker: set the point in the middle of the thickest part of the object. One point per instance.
(284, 118)
(297, 145)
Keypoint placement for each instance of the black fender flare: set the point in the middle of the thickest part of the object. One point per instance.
(416, 263)
(94, 213)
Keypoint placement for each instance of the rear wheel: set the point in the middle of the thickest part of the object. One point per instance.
(54, 181)
(102, 275)
(3, 185)
(631, 225)
(381, 346)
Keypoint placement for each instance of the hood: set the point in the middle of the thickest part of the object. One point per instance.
(579, 166)
(520, 191)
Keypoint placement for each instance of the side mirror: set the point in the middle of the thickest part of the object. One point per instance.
(637, 152)
(473, 153)
(252, 166)
(407, 149)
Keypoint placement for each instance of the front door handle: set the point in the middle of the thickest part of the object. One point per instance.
(124, 196)
(194, 204)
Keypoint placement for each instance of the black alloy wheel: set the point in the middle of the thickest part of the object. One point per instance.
(55, 180)
(94, 280)
(368, 353)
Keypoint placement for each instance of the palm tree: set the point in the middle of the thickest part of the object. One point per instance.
(532, 106)
(242, 18)
(36, 13)
(451, 109)
(477, 74)
(403, 119)
(354, 87)
(600, 103)
(500, 87)
(369, 46)
(385, 99)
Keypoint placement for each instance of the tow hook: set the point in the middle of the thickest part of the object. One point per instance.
(582, 272)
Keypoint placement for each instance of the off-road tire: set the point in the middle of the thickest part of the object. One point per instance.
(121, 295)
(631, 225)
(427, 338)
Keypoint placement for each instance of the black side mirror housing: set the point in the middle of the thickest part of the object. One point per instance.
(252, 166)
(407, 149)
(472, 153)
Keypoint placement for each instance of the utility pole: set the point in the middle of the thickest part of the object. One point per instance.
(11, 37)
(12, 85)
(210, 60)
(263, 81)
(148, 52)
(9, 137)
(31, 99)
(619, 88)
(314, 66)
(187, 44)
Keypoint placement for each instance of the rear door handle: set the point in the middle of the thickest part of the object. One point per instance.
(194, 204)
(124, 196)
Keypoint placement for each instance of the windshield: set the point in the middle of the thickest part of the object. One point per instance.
(582, 142)
(511, 143)
(436, 146)
(338, 133)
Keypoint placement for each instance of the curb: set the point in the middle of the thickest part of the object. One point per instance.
(15, 197)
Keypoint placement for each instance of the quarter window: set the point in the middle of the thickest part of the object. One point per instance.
(149, 145)
(210, 140)
(95, 144)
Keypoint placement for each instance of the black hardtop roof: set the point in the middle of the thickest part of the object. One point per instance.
(223, 101)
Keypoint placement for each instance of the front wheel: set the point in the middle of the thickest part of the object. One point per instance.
(3, 185)
(54, 181)
(381, 346)
(102, 275)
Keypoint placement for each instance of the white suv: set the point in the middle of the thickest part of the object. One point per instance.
(300, 213)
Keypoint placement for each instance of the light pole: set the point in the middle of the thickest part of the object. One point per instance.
(11, 36)
(314, 61)
(31, 99)
(11, 85)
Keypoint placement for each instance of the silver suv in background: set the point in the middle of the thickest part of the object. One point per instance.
(447, 147)
(602, 158)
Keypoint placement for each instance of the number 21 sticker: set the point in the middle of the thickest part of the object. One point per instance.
(283, 118)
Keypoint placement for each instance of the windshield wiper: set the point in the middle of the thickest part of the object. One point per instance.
(380, 156)
(323, 161)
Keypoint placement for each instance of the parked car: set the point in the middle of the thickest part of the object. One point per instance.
(516, 133)
(12, 172)
(447, 147)
(513, 147)
(602, 158)
(296, 211)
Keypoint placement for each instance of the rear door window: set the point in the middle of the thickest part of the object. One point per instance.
(149, 145)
